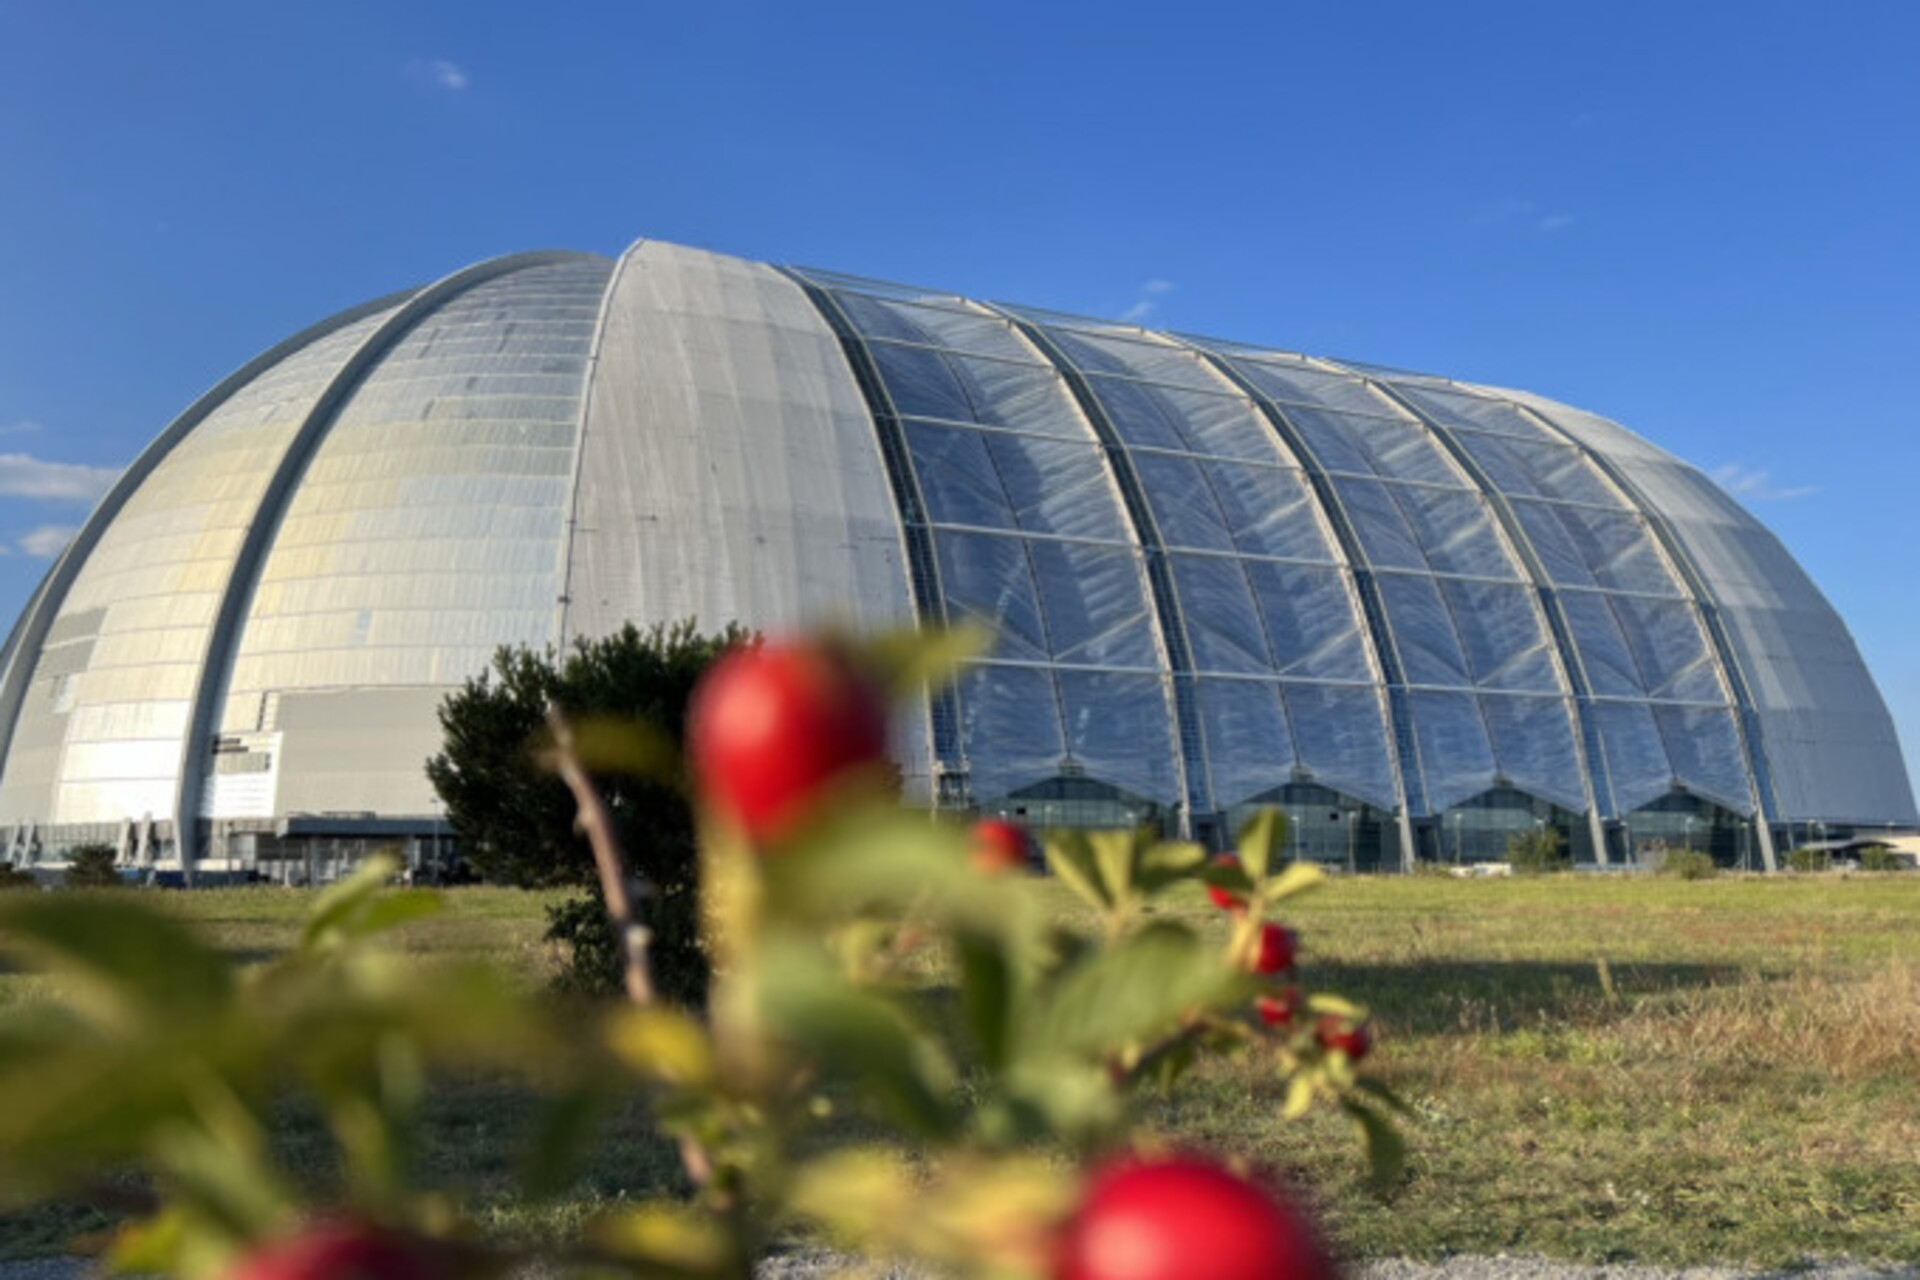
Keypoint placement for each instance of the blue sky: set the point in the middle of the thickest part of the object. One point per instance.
(1699, 219)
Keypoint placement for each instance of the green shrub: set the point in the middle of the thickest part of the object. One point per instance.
(11, 877)
(1538, 852)
(1690, 864)
(1877, 857)
(1809, 860)
(592, 964)
(90, 866)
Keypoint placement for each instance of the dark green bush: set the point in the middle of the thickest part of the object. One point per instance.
(90, 866)
(1538, 852)
(1690, 864)
(1877, 857)
(1809, 860)
(11, 877)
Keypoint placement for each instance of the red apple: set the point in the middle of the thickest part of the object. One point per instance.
(1338, 1035)
(999, 846)
(772, 726)
(1226, 899)
(1185, 1218)
(338, 1251)
(1277, 947)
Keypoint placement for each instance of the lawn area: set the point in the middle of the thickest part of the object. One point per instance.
(1599, 1068)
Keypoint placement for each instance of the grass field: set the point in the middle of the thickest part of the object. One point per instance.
(1599, 1069)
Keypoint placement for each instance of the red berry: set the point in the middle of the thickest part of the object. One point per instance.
(1279, 1010)
(1336, 1034)
(772, 726)
(1277, 946)
(1186, 1219)
(338, 1251)
(999, 846)
(1226, 899)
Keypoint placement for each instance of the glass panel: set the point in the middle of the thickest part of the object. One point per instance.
(1009, 727)
(1313, 621)
(1604, 654)
(1182, 501)
(957, 477)
(1455, 531)
(1455, 755)
(1095, 604)
(1395, 449)
(1018, 396)
(1225, 632)
(1342, 735)
(990, 581)
(1059, 486)
(1504, 637)
(1120, 730)
(1565, 563)
(1271, 512)
(1636, 754)
(1299, 385)
(1248, 748)
(1458, 409)
(1704, 746)
(1620, 550)
(1385, 536)
(1670, 647)
(1533, 740)
(1150, 359)
(1227, 426)
(1137, 416)
(921, 383)
(1423, 631)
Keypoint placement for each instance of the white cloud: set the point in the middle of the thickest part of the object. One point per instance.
(1757, 484)
(25, 476)
(1149, 295)
(1556, 221)
(48, 541)
(442, 73)
(20, 428)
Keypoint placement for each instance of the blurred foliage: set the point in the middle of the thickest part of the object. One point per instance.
(1809, 860)
(1689, 864)
(981, 1104)
(1540, 851)
(1878, 857)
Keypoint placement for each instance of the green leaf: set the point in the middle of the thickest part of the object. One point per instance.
(1165, 863)
(1264, 832)
(988, 994)
(1135, 991)
(616, 744)
(1296, 879)
(662, 1045)
(805, 1003)
(1386, 1149)
(118, 959)
(355, 908)
(1070, 858)
(667, 1239)
(908, 661)
(1114, 856)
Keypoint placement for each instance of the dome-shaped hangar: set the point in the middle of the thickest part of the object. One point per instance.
(1417, 614)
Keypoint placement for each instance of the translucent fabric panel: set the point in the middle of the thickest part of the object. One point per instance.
(1248, 747)
(1392, 448)
(1637, 760)
(939, 326)
(136, 623)
(1670, 646)
(390, 491)
(1457, 409)
(1423, 631)
(1386, 538)
(1293, 383)
(1455, 531)
(1120, 730)
(1704, 745)
(1272, 512)
(1504, 636)
(1223, 629)
(989, 580)
(1612, 671)
(1535, 747)
(1341, 734)
(1227, 426)
(1559, 554)
(1312, 620)
(1455, 754)
(1009, 727)
(1094, 602)
(1182, 502)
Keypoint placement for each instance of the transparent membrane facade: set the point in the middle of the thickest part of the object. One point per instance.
(1424, 616)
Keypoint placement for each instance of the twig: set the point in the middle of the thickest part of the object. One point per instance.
(617, 887)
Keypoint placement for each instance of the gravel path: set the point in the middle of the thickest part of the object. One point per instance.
(817, 1267)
